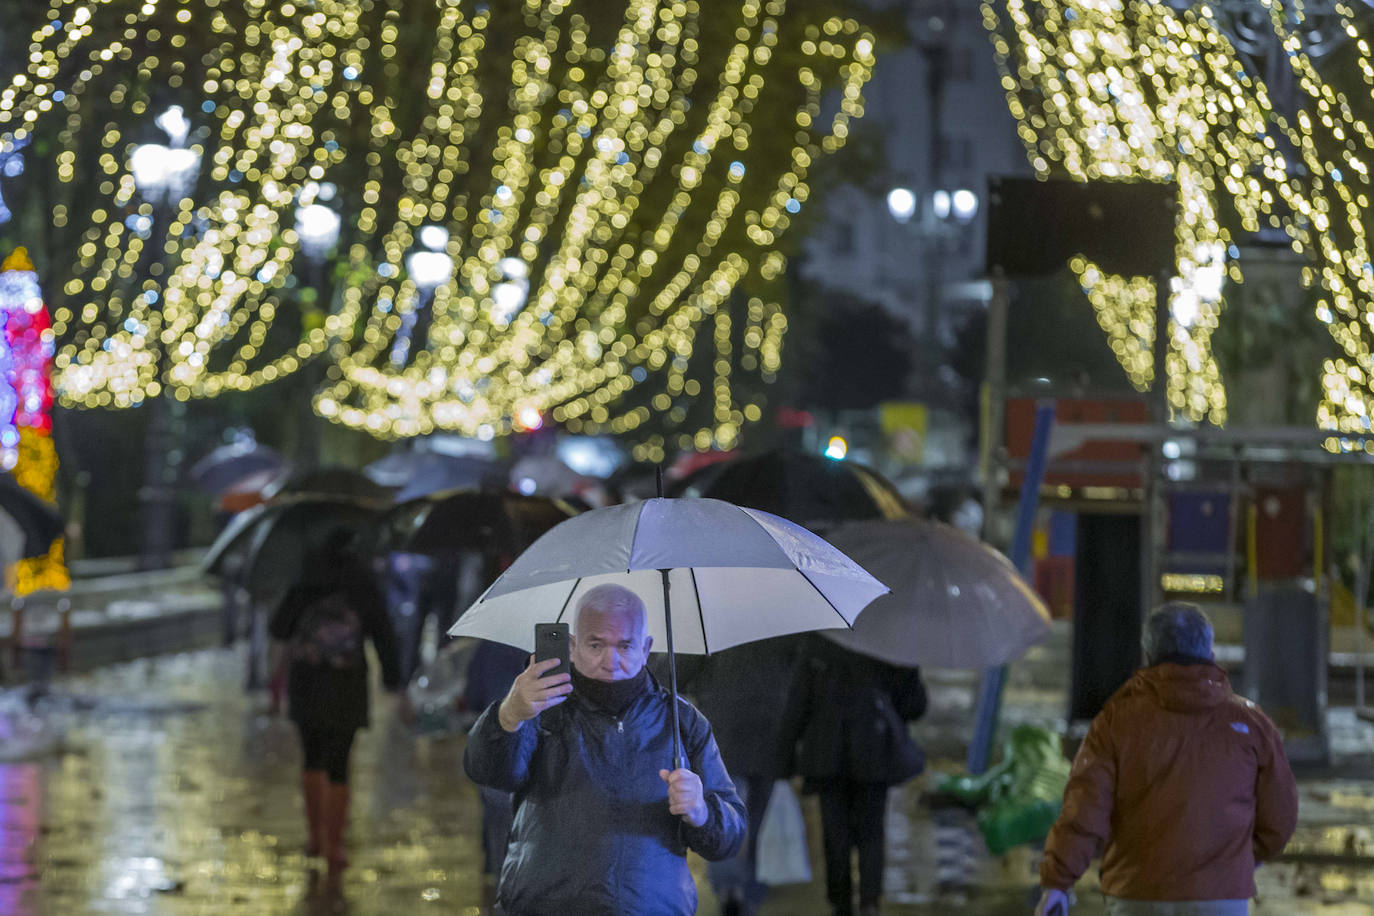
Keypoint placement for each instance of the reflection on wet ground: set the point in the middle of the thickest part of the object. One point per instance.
(175, 794)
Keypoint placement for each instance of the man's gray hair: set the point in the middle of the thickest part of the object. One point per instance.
(613, 599)
(1177, 628)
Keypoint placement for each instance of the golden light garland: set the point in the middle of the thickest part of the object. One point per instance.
(607, 172)
(1108, 89)
(181, 295)
(609, 308)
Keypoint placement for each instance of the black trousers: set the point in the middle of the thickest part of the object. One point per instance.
(327, 749)
(852, 818)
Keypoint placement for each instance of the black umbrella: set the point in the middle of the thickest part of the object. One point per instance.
(811, 490)
(345, 482)
(228, 464)
(37, 520)
(265, 548)
(503, 524)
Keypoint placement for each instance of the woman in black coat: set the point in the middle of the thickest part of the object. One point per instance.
(851, 713)
(324, 619)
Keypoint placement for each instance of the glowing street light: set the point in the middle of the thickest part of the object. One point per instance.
(964, 203)
(435, 238)
(318, 229)
(901, 203)
(162, 172)
(429, 269)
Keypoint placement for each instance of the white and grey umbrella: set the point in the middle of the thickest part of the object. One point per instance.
(712, 576)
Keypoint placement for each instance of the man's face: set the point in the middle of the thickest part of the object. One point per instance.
(609, 647)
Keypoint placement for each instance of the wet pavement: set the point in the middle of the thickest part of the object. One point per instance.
(174, 793)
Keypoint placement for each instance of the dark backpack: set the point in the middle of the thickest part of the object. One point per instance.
(329, 633)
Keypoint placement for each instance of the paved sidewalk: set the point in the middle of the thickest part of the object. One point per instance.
(176, 795)
(116, 614)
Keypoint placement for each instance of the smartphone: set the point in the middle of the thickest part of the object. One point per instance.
(551, 641)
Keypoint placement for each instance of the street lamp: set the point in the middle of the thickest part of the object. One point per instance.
(162, 176)
(429, 268)
(508, 296)
(901, 203)
(317, 229)
(964, 203)
(317, 226)
(164, 173)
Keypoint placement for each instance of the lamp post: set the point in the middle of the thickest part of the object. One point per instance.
(162, 174)
(317, 228)
(429, 267)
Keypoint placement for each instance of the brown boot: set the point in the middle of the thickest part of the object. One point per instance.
(335, 824)
(314, 785)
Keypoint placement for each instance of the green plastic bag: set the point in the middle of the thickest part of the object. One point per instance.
(1019, 799)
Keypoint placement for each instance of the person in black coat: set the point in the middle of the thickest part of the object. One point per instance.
(742, 691)
(851, 713)
(491, 671)
(324, 620)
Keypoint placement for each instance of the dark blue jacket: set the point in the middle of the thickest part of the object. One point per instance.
(592, 832)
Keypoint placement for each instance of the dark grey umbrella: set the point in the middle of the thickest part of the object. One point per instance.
(265, 548)
(414, 473)
(810, 490)
(501, 523)
(335, 482)
(229, 464)
(37, 520)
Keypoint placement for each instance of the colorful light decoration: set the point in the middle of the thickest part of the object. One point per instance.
(26, 405)
(597, 183)
(1125, 89)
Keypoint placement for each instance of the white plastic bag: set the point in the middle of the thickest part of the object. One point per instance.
(783, 857)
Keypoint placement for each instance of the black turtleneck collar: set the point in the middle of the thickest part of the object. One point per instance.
(612, 696)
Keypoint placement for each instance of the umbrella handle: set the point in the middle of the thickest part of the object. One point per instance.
(672, 672)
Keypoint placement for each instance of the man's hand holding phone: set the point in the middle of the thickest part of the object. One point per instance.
(532, 693)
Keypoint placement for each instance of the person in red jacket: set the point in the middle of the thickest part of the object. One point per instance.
(1180, 785)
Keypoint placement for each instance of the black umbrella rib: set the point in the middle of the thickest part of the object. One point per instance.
(563, 610)
(634, 536)
(847, 624)
(696, 593)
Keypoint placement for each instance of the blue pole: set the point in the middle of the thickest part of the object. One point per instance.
(994, 679)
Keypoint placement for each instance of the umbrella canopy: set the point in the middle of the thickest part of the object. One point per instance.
(251, 490)
(811, 490)
(36, 519)
(734, 575)
(338, 482)
(955, 602)
(265, 548)
(11, 541)
(229, 464)
(413, 473)
(548, 475)
(445, 523)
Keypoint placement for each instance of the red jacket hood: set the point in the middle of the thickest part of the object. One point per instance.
(1183, 688)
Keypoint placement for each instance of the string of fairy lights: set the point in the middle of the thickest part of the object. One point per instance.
(163, 287)
(596, 197)
(1106, 89)
(605, 312)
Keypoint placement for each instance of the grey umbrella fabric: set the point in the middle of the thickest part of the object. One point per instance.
(265, 548)
(735, 575)
(955, 601)
(227, 465)
(38, 520)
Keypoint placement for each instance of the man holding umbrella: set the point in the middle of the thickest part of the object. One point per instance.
(601, 824)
